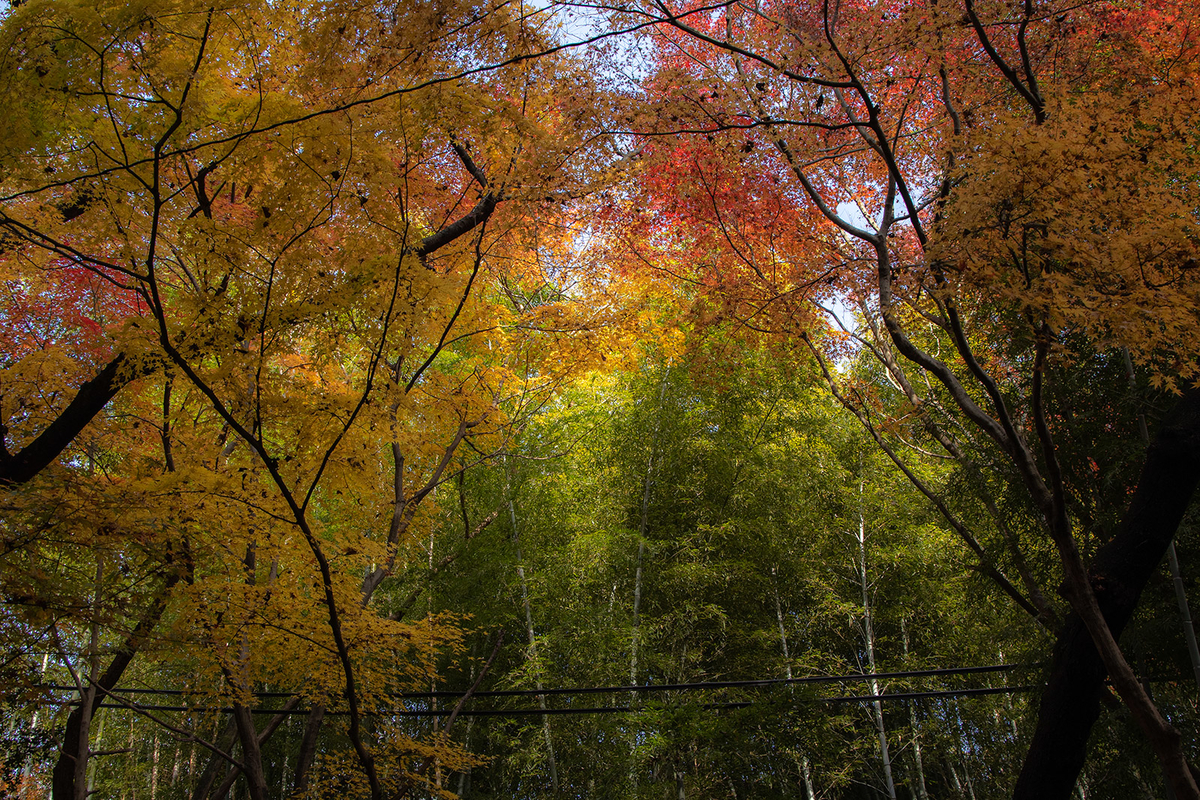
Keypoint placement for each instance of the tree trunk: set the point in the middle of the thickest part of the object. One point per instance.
(256, 780)
(1185, 613)
(869, 642)
(546, 730)
(806, 773)
(67, 781)
(922, 791)
(89, 401)
(154, 769)
(805, 769)
(263, 737)
(208, 777)
(1070, 703)
(643, 520)
(308, 748)
(643, 523)
(948, 769)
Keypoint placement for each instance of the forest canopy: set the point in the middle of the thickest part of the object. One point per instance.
(754, 399)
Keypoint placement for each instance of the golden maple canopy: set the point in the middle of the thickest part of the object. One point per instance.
(325, 253)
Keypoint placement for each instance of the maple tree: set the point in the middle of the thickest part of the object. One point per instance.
(280, 247)
(1004, 193)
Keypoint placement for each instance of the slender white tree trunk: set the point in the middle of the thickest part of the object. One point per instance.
(1185, 613)
(529, 630)
(26, 784)
(637, 607)
(175, 766)
(922, 791)
(131, 787)
(970, 785)
(99, 746)
(958, 787)
(805, 767)
(643, 522)
(806, 771)
(192, 768)
(154, 769)
(637, 594)
(869, 641)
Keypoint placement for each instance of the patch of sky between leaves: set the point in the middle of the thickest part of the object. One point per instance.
(588, 27)
(840, 307)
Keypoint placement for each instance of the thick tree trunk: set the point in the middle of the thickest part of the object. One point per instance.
(1185, 613)
(1071, 700)
(89, 401)
(67, 778)
(256, 780)
(264, 736)
(208, 777)
(308, 748)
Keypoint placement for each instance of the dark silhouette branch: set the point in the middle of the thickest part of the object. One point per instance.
(89, 401)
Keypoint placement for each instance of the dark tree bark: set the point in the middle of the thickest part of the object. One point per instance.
(308, 749)
(74, 746)
(208, 777)
(89, 401)
(256, 780)
(1071, 701)
(264, 736)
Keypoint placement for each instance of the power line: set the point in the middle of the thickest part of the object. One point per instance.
(640, 689)
(521, 712)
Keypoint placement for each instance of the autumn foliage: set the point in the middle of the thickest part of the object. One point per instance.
(273, 276)
(290, 242)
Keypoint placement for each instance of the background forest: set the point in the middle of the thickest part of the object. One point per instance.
(740, 400)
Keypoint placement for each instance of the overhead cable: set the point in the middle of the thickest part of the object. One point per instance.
(641, 688)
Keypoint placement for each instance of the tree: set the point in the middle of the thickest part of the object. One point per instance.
(746, 553)
(285, 288)
(977, 180)
(279, 238)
